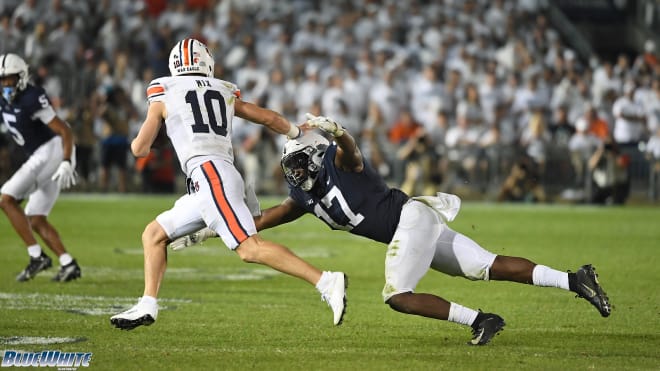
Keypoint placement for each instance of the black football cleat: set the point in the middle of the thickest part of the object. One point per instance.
(588, 288)
(68, 272)
(485, 327)
(35, 266)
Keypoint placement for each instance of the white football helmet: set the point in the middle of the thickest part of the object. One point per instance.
(302, 160)
(191, 56)
(12, 64)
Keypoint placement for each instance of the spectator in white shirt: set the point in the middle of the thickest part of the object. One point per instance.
(581, 146)
(630, 118)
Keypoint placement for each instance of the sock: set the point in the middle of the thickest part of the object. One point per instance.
(34, 251)
(323, 281)
(148, 301)
(548, 277)
(460, 314)
(150, 304)
(65, 259)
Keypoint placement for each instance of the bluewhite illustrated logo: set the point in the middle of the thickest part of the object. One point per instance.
(46, 358)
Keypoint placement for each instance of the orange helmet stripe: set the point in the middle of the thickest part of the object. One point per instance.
(186, 59)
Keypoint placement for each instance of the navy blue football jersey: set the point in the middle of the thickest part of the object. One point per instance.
(360, 203)
(27, 131)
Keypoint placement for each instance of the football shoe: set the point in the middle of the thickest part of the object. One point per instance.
(139, 315)
(35, 266)
(68, 272)
(588, 288)
(485, 327)
(335, 296)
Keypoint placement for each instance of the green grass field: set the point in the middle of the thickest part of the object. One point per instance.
(219, 313)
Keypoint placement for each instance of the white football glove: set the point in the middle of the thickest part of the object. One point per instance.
(326, 124)
(65, 176)
(192, 239)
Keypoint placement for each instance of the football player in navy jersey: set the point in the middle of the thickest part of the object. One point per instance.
(333, 182)
(47, 141)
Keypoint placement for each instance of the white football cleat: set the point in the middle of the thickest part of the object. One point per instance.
(139, 315)
(192, 239)
(335, 296)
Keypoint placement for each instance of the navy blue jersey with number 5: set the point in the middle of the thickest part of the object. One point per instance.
(360, 203)
(18, 118)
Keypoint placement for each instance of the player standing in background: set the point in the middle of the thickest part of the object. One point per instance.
(197, 110)
(333, 182)
(48, 144)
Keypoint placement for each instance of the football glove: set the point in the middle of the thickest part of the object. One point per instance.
(65, 176)
(192, 239)
(326, 124)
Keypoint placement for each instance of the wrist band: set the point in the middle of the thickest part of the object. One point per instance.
(294, 132)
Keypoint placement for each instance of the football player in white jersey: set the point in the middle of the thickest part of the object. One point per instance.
(47, 142)
(197, 110)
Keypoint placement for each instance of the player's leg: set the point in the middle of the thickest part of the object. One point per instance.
(47, 232)
(331, 285)
(457, 255)
(257, 250)
(69, 268)
(221, 201)
(17, 218)
(154, 240)
(205, 233)
(584, 282)
(408, 258)
(39, 206)
(37, 209)
(39, 261)
(219, 195)
(181, 219)
(39, 165)
(461, 256)
(514, 269)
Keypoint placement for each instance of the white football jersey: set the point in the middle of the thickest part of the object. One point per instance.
(199, 115)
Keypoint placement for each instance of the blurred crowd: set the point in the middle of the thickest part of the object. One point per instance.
(480, 96)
